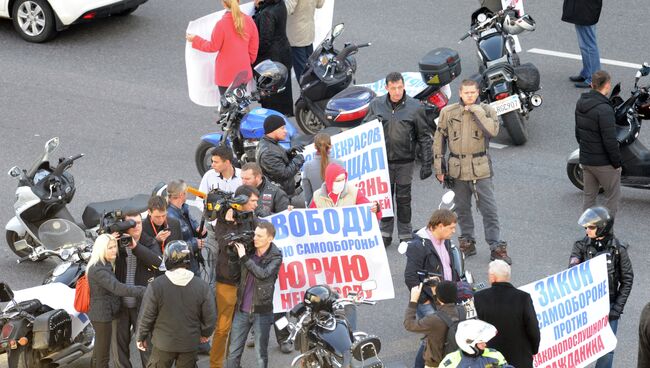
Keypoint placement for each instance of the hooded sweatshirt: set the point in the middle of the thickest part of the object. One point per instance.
(595, 131)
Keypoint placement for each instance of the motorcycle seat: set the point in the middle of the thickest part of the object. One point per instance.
(31, 306)
(366, 349)
(94, 211)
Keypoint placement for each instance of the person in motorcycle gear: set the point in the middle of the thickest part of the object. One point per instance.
(177, 254)
(270, 77)
(472, 337)
(600, 239)
(405, 126)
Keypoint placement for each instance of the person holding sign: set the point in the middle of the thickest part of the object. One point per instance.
(599, 240)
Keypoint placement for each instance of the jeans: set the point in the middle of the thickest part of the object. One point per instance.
(589, 51)
(421, 311)
(299, 56)
(486, 204)
(241, 325)
(606, 360)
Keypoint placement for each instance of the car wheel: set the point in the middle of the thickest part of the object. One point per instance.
(34, 20)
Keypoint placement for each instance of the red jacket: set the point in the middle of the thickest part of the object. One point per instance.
(235, 53)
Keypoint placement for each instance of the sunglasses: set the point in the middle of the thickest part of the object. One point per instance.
(591, 227)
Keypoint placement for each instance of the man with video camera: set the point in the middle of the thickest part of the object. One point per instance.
(233, 225)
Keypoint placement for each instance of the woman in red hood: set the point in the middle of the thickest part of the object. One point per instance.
(335, 191)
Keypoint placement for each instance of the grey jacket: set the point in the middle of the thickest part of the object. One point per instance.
(300, 21)
(105, 292)
(311, 179)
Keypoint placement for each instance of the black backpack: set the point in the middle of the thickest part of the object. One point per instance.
(452, 325)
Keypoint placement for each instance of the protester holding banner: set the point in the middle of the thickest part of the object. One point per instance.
(236, 39)
(301, 31)
(405, 126)
(314, 170)
(599, 240)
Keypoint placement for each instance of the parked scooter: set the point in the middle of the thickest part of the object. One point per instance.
(323, 335)
(510, 87)
(43, 193)
(635, 156)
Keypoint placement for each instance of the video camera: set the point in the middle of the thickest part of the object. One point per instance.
(430, 279)
(115, 222)
(217, 203)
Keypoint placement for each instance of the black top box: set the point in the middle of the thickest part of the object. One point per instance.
(440, 66)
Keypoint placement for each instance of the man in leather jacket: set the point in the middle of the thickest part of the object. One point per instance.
(272, 198)
(405, 126)
(599, 240)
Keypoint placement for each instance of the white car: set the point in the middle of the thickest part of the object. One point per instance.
(40, 20)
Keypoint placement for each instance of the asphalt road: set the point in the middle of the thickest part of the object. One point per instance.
(115, 89)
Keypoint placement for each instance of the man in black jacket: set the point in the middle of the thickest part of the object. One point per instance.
(178, 312)
(278, 164)
(259, 270)
(137, 264)
(157, 225)
(511, 311)
(584, 14)
(405, 126)
(272, 198)
(600, 239)
(600, 155)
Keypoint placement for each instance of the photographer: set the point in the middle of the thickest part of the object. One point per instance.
(234, 224)
(158, 225)
(137, 264)
(259, 270)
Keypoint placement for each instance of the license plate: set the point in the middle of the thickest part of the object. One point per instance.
(506, 105)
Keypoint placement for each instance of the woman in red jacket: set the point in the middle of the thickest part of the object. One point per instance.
(236, 39)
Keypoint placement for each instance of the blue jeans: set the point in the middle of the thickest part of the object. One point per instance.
(299, 56)
(241, 325)
(606, 360)
(589, 51)
(422, 311)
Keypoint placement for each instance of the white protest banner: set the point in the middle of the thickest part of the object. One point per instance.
(363, 151)
(572, 308)
(340, 247)
(200, 65)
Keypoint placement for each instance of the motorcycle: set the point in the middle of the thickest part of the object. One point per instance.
(43, 194)
(508, 86)
(629, 115)
(325, 338)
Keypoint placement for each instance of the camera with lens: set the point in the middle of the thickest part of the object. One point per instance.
(245, 238)
(116, 222)
(430, 279)
(217, 203)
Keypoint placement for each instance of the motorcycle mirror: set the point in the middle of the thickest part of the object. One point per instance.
(481, 17)
(282, 323)
(337, 30)
(369, 285)
(6, 295)
(52, 145)
(14, 172)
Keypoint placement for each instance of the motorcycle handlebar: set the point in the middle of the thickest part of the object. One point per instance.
(465, 36)
(65, 164)
(347, 50)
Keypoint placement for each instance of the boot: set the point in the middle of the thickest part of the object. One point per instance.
(387, 240)
(467, 246)
(500, 252)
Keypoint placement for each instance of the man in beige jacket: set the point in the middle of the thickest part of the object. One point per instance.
(465, 128)
(301, 31)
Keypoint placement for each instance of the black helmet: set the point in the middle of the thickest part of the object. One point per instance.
(320, 297)
(598, 217)
(270, 77)
(177, 254)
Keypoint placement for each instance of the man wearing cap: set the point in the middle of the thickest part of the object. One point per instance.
(278, 164)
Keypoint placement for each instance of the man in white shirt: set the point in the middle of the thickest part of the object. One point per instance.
(223, 174)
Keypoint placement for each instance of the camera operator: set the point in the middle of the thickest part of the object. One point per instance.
(137, 264)
(234, 224)
(158, 225)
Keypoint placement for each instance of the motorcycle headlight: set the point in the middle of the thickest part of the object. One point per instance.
(60, 269)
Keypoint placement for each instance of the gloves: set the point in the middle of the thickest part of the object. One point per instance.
(425, 172)
(294, 151)
(614, 315)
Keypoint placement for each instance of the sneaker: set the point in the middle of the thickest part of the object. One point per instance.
(582, 85)
(387, 241)
(286, 347)
(500, 252)
(576, 78)
(467, 246)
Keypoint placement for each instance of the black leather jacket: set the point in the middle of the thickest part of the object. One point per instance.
(272, 199)
(276, 164)
(265, 273)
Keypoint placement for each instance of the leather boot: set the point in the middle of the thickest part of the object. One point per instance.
(467, 246)
(501, 252)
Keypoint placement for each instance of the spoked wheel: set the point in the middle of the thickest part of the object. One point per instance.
(307, 120)
(33, 20)
(514, 124)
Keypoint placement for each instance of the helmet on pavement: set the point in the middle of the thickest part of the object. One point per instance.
(598, 217)
(515, 26)
(177, 254)
(472, 332)
(270, 77)
(320, 297)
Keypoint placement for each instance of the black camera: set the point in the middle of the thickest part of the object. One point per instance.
(217, 203)
(245, 238)
(115, 222)
(430, 279)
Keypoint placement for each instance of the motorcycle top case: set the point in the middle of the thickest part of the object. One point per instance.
(52, 329)
(349, 107)
(440, 66)
(252, 124)
(527, 77)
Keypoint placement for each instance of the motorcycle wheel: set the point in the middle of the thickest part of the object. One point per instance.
(514, 124)
(574, 171)
(13, 237)
(26, 357)
(306, 119)
(202, 157)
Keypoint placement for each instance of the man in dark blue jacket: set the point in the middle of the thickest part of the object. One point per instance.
(179, 210)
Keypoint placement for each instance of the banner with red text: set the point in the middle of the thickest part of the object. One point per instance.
(572, 308)
(340, 247)
(363, 151)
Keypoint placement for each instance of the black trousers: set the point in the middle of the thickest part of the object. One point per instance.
(165, 359)
(127, 319)
(102, 349)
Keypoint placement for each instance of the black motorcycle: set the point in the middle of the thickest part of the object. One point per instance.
(635, 156)
(324, 336)
(509, 87)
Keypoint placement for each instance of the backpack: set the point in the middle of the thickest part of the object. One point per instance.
(452, 326)
(82, 295)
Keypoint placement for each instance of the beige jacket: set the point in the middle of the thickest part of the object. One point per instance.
(300, 21)
(459, 131)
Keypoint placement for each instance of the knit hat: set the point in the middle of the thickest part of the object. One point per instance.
(446, 292)
(272, 123)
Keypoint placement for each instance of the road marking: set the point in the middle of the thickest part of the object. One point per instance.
(566, 55)
(498, 145)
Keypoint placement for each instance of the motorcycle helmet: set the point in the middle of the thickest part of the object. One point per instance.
(515, 26)
(177, 254)
(472, 332)
(270, 77)
(599, 217)
(320, 298)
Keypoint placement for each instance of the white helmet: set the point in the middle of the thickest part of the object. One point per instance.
(472, 332)
(515, 26)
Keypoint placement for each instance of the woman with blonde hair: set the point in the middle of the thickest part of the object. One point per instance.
(105, 293)
(236, 39)
(314, 170)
